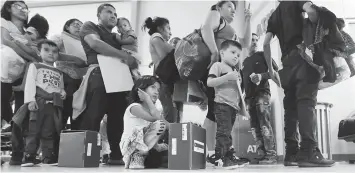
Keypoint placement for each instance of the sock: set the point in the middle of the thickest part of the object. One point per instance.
(210, 153)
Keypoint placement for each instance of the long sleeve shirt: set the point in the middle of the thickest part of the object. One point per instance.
(45, 77)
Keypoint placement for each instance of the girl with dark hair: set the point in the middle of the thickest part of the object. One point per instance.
(159, 31)
(70, 28)
(350, 46)
(144, 124)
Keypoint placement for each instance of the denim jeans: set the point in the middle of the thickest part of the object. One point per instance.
(260, 112)
(225, 118)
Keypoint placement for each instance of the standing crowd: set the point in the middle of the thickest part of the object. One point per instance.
(52, 82)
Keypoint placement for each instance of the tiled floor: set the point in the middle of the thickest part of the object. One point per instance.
(339, 167)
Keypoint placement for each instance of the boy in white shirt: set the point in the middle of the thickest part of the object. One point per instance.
(44, 95)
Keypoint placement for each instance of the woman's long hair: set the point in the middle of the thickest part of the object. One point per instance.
(142, 83)
(5, 10)
(153, 24)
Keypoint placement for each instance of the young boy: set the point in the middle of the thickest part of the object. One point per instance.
(223, 76)
(44, 95)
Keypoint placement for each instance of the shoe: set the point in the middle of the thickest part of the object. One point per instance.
(291, 157)
(50, 161)
(212, 159)
(6, 128)
(30, 160)
(16, 159)
(313, 158)
(137, 161)
(230, 161)
(115, 162)
(105, 159)
(2, 162)
(268, 161)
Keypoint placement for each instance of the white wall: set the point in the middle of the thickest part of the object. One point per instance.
(58, 15)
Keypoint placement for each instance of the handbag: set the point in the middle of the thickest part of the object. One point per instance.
(192, 55)
(167, 70)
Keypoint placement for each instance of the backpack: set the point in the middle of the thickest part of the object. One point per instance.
(192, 56)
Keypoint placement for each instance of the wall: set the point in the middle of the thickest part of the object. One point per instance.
(58, 15)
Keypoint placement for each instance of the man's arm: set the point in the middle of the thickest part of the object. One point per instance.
(103, 48)
(267, 54)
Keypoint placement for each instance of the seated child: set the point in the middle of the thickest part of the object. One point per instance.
(144, 125)
(44, 95)
(128, 40)
(224, 78)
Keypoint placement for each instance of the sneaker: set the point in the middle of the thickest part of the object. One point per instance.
(313, 158)
(49, 161)
(115, 162)
(2, 162)
(137, 161)
(212, 159)
(268, 161)
(15, 162)
(30, 160)
(291, 157)
(105, 159)
(230, 161)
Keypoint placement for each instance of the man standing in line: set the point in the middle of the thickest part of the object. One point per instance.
(299, 81)
(257, 90)
(99, 39)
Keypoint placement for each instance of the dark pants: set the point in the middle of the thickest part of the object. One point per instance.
(71, 86)
(165, 96)
(46, 136)
(100, 103)
(17, 142)
(6, 96)
(260, 112)
(300, 83)
(225, 118)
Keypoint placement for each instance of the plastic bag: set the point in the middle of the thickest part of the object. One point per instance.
(12, 65)
(342, 70)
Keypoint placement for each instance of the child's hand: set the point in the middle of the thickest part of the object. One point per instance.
(143, 95)
(232, 76)
(63, 95)
(32, 106)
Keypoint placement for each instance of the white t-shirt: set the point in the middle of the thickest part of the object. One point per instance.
(131, 122)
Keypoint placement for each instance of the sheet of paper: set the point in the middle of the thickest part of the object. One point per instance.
(116, 75)
(73, 47)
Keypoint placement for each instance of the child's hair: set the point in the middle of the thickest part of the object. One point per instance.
(41, 25)
(45, 41)
(153, 24)
(340, 23)
(226, 44)
(123, 18)
(142, 83)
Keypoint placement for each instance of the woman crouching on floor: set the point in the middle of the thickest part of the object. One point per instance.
(144, 125)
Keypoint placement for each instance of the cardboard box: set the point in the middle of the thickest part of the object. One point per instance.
(187, 147)
(79, 149)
